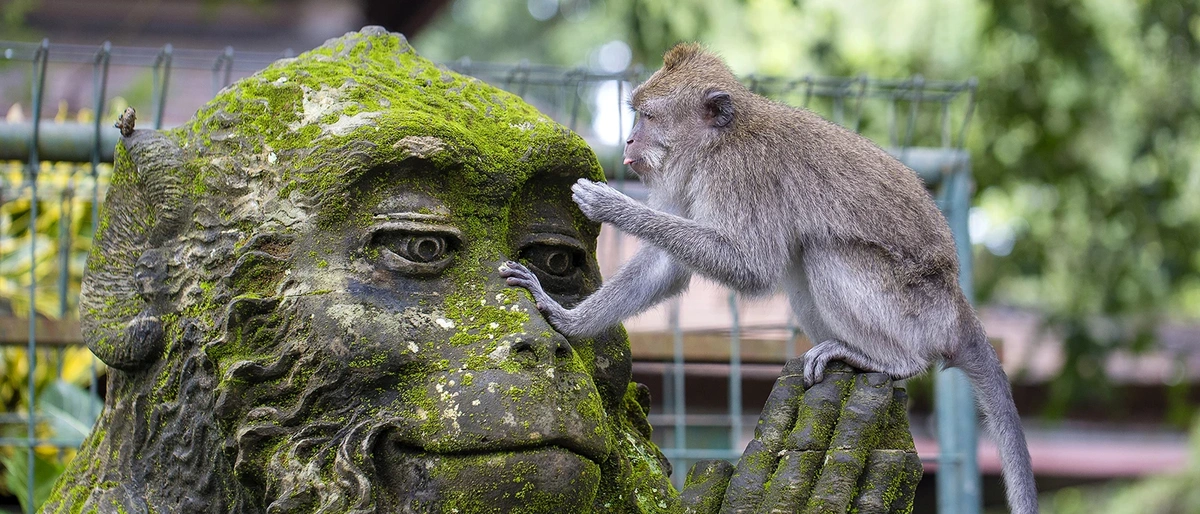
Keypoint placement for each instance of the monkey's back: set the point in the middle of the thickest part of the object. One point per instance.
(840, 186)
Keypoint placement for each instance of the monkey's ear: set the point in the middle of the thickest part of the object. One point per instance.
(718, 108)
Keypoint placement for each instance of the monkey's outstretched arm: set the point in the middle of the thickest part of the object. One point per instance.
(648, 278)
(703, 248)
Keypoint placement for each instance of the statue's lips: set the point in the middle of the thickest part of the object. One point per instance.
(550, 447)
(496, 410)
(494, 481)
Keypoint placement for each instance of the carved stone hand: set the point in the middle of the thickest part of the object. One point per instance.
(843, 445)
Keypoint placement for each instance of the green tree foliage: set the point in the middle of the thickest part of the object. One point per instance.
(1088, 170)
(1087, 146)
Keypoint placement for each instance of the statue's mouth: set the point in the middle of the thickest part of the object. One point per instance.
(485, 479)
(485, 411)
(548, 447)
(593, 449)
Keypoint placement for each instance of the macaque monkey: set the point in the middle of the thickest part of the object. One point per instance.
(757, 195)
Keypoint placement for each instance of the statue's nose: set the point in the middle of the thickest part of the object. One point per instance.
(541, 350)
(538, 343)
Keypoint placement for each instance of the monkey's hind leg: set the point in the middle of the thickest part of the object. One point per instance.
(820, 355)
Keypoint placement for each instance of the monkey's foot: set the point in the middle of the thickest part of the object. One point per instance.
(820, 355)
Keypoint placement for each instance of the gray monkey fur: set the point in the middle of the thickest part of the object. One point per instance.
(756, 194)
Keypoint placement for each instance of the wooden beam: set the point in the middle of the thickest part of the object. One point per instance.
(49, 332)
(710, 347)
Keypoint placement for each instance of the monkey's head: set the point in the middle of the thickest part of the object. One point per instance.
(689, 103)
(299, 294)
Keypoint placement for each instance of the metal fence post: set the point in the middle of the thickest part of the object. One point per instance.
(39, 86)
(162, 75)
(735, 374)
(677, 386)
(959, 482)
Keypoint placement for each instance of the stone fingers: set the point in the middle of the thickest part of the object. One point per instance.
(793, 480)
(842, 445)
(793, 420)
(863, 418)
(883, 477)
(902, 483)
(759, 460)
(705, 487)
(819, 411)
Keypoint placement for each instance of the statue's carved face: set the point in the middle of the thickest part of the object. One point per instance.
(304, 281)
(449, 381)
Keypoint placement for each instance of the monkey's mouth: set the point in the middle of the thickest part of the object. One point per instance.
(637, 165)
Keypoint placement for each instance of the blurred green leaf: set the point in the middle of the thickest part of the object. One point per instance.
(70, 410)
(16, 476)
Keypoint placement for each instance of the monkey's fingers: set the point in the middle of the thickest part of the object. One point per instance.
(531, 284)
(514, 270)
(588, 189)
(586, 207)
(518, 275)
(515, 274)
(511, 266)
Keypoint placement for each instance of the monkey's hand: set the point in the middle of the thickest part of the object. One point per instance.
(600, 202)
(516, 274)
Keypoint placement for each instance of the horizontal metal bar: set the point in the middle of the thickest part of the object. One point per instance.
(926, 90)
(700, 420)
(524, 73)
(198, 59)
(58, 142)
(72, 142)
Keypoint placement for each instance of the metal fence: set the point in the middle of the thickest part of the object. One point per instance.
(55, 164)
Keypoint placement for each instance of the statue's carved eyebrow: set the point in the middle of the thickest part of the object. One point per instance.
(412, 216)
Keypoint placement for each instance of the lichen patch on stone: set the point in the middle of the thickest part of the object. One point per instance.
(420, 146)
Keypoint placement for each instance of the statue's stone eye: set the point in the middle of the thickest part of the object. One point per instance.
(556, 260)
(412, 252)
(426, 248)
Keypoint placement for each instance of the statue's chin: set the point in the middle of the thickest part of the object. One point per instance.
(546, 479)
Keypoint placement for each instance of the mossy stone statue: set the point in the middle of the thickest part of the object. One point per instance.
(298, 295)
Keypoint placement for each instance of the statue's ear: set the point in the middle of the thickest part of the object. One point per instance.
(125, 288)
(718, 108)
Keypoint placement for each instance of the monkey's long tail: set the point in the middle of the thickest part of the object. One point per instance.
(979, 362)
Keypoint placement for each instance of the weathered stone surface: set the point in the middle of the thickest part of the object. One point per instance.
(299, 296)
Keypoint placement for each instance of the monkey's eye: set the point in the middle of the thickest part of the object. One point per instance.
(412, 252)
(646, 116)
